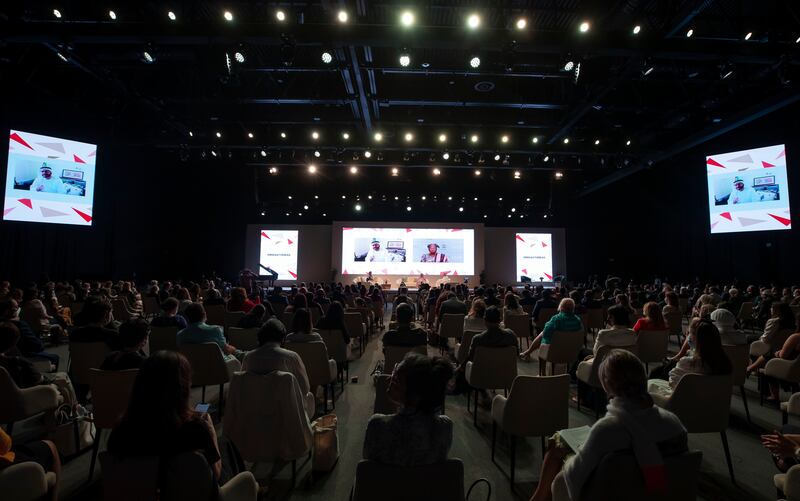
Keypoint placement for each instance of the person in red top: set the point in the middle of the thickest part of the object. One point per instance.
(652, 320)
(239, 300)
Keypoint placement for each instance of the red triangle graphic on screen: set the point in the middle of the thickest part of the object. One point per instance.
(525, 271)
(544, 244)
(711, 161)
(520, 238)
(549, 277)
(264, 234)
(288, 240)
(344, 272)
(726, 215)
(408, 230)
(294, 275)
(86, 217)
(443, 273)
(782, 153)
(77, 159)
(18, 139)
(766, 165)
(455, 273)
(26, 202)
(345, 229)
(6, 211)
(783, 220)
(457, 229)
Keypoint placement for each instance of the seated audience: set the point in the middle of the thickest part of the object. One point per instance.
(43, 452)
(632, 423)
(22, 371)
(726, 324)
(619, 332)
(255, 317)
(97, 316)
(493, 337)
(199, 332)
(406, 333)
(474, 321)
(239, 300)
(672, 304)
(184, 299)
(511, 306)
(653, 320)
(546, 302)
(451, 305)
(334, 320)
(30, 344)
(213, 297)
(776, 331)
(301, 328)
(132, 339)
(417, 434)
(564, 320)
(169, 315)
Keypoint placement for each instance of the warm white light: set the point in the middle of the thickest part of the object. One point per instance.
(345, 135)
(748, 36)
(62, 56)
(522, 23)
(317, 153)
(327, 57)
(637, 29)
(504, 139)
(112, 15)
(446, 155)
(628, 142)
(367, 154)
(395, 171)
(315, 135)
(405, 60)
(354, 170)
(436, 172)
(263, 153)
(689, 33)
(191, 134)
(473, 21)
(477, 172)
(57, 13)
(219, 134)
(228, 15)
(596, 142)
(584, 27)
(513, 209)
(312, 169)
(280, 16)
(559, 174)
(461, 209)
(409, 137)
(407, 18)
(546, 158)
(442, 138)
(342, 16)
(239, 57)
(283, 135)
(148, 58)
(497, 157)
(474, 138)
(798, 40)
(273, 170)
(569, 65)
(566, 140)
(535, 140)
(408, 208)
(305, 207)
(517, 174)
(171, 15)
(475, 62)
(250, 135)
(378, 137)
(424, 197)
(358, 207)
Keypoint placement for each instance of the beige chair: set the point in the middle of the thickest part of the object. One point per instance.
(740, 359)
(111, 391)
(26, 482)
(594, 319)
(150, 306)
(786, 371)
(788, 483)
(588, 376)
(209, 367)
(703, 405)
(618, 477)
(442, 482)
(232, 319)
(462, 347)
(491, 368)
(215, 314)
(652, 346)
(759, 348)
(383, 404)
(18, 404)
(745, 315)
(356, 328)
(520, 325)
(674, 323)
(243, 339)
(163, 338)
(83, 357)
(368, 318)
(520, 416)
(451, 326)
(545, 314)
(393, 355)
(791, 406)
(563, 349)
(338, 351)
(321, 370)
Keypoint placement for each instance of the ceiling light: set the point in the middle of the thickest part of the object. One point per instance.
(535, 140)
(317, 153)
(522, 23)
(250, 135)
(405, 60)
(566, 140)
(798, 40)
(408, 208)
(305, 207)
(504, 139)
(596, 142)
(228, 15)
(436, 172)
(354, 170)
(446, 155)
(396, 197)
(546, 158)
(449, 198)
(461, 209)
(369, 196)
(345, 135)
(637, 29)
(263, 153)
(395, 171)
(409, 137)
(497, 157)
(500, 199)
(280, 15)
(312, 169)
(327, 58)
(473, 21)
(749, 35)
(214, 153)
(315, 135)
(474, 138)
(475, 62)
(283, 135)
(584, 27)
(725, 70)
(689, 33)
(342, 16)
(378, 137)
(344, 196)
(358, 207)
(191, 134)
(367, 154)
(513, 209)
(273, 170)
(475, 199)
(442, 138)
(648, 68)
(148, 58)
(477, 172)
(628, 142)
(407, 18)
(239, 57)
(218, 134)
(112, 15)
(528, 199)
(171, 16)
(517, 174)
(559, 174)
(569, 65)
(62, 56)
(57, 13)
(263, 213)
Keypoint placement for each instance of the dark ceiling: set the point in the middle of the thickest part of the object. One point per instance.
(639, 98)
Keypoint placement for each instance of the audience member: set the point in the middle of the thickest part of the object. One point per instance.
(255, 317)
(132, 339)
(511, 306)
(29, 344)
(43, 452)
(302, 331)
(406, 333)
(776, 331)
(493, 337)
(474, 321)
(97, 316)
(239, 300)
(451, 305)
(334, 320)
(564, 320)
(199, 332)
(169, 315)
(726, 324)
(653, 319)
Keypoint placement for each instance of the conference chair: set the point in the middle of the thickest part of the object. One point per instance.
(22, 403)
(393, 355)
(652, 346)
(545, 314)
(791, 406)
(368, 317)
(83, 357)
(27, 482)
(339, 351)
(209, 367)
(451, 326)
(491, 368)
(215, 314)
(788, 484)
(594, 319)
(150, 307)
(119, 308)
(674, 323)
(739, 357)
(537, 406)
(520, 325)
(320, 369)
(376, 481)
(563, 349)
(163, 338)
(745, 315)
(784, 371)
(288, 318)
(243, 339)
(619, 477)
(356, 328)
(588, 376)
(111, 391)
(703, 405)
(232, 319)
(462, 347)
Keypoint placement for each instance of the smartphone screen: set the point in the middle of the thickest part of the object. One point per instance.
(202, 408)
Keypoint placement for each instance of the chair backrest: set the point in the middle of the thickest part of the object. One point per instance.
(523, 417)
(111, 391)
(494, 368)
(674, 321)
(315, 357)
(244, 339)
(739, 356)
(208, 363)
(215, 314)
(14, 405)
(528, 308)
(334, 342)
(395, 354)
(287, 318)
(746, 311)
(651, 346)
(602, 353)
(564, 346)
(150, 305)
(595, 318)
(24, 481)
(442, 482)
(354, 323)
(383, 404)
(464, 344)
(163, 338)
(85, 356)
(120, 310)
(232, 318)
(545, 314)
(618, 477)
(452, 325)
(520, 324)
(702, 402)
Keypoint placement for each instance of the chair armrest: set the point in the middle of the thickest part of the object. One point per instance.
(499, 409)
(791, 483)
(39, 399)
(468, 372)
(660, 400)
(793, 405)
(758, 348)
(23, 481)
(333, 370)
(778, 368)
(242, 487)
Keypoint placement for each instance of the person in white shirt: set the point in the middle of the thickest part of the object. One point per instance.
(742, 194)
(377, 255)
(619, 334)
(474, 321)
(45, 182)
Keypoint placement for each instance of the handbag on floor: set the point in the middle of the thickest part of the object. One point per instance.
(326, 443)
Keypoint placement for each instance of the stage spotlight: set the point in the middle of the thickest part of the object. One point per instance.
(535, 140)
(342, 16)
(474, 138)
(327, 57)
(522, 23)
(344, 196)
(408, 208)
(477, 172)
(239, 57)
(263, 213)
(395, 171)
(407, 18)
(358, 207)
(273, 170)
(218, 134)
(436, 172)
(305, 207)
(316, 197)
(263, 153)
(147, 57)
(112, 15)
(749, 35)
(378, 137)
(424, 197)
(317, 153)
(315, 135)
(345, 136)
(312, 169)
(289, 197)
(228, 15)
(637, 29)
(475, 62)
(367, 154)
(513, 209)
(171, 15)
(596, 142)
(449, 198)
(584, 27)
(250, 135)
(528, 199)
(283, 135)
(409, 137)
(559, 174)
(369, 197)
(442, 138)
(689, 33)
(405, 60)
(353, 170)
(280, 15)
(566, 140)
(504, 139)
(473, 21)
(396, 197)
(500, 199)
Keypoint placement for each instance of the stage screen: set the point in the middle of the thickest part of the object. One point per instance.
(278, 252)
(49, 180)
(534, 257)
(408, 251)
(748, 190)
